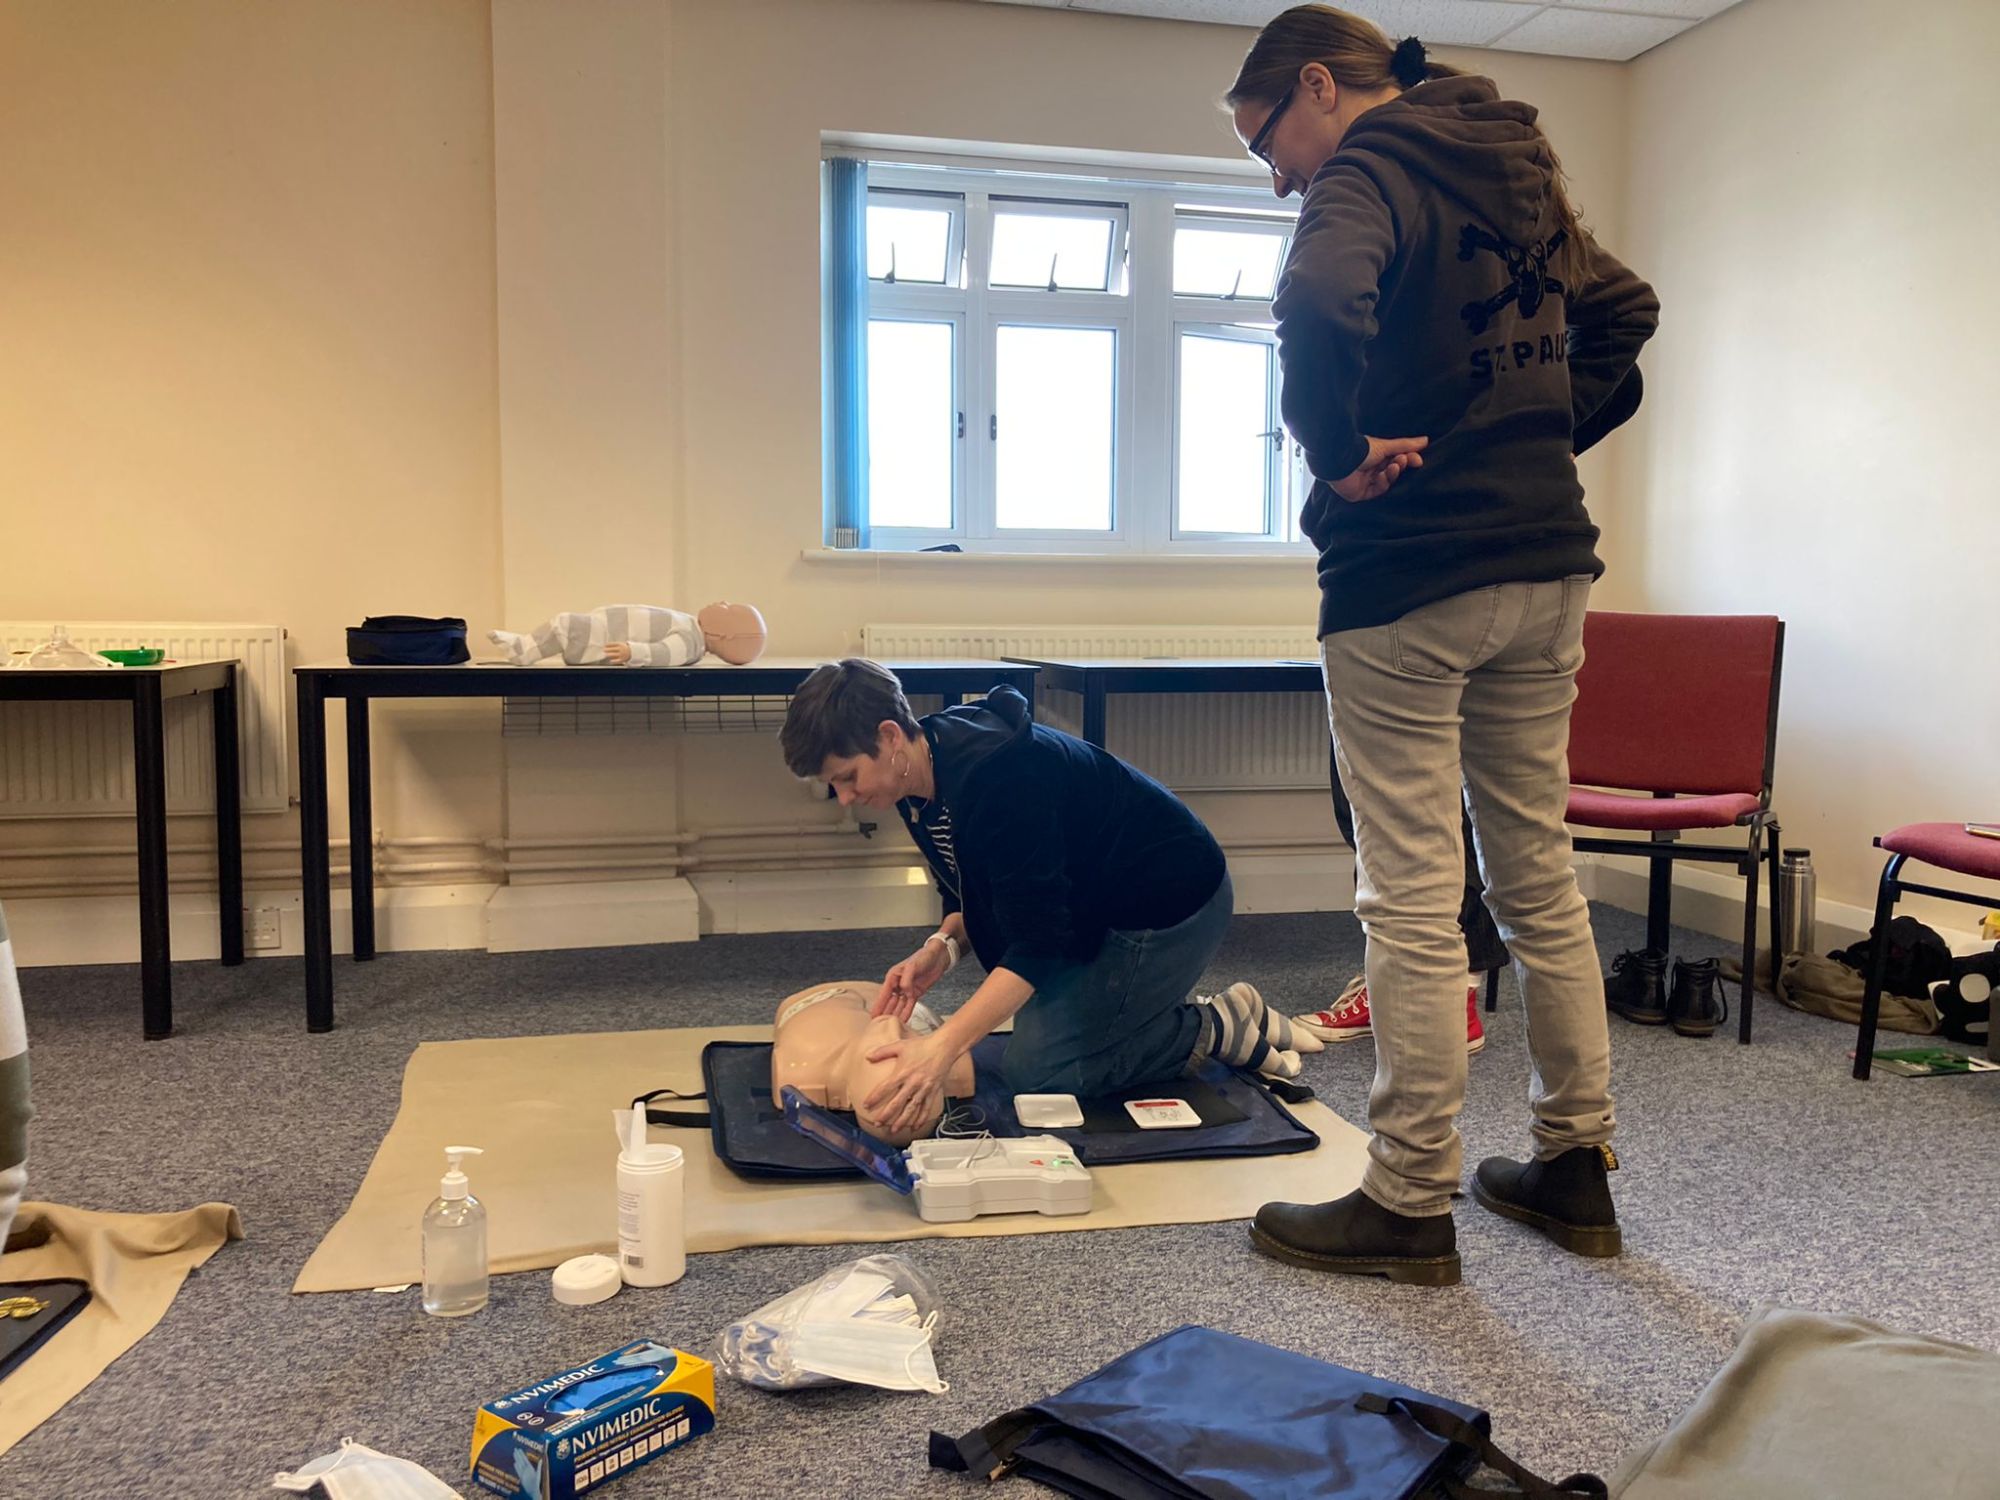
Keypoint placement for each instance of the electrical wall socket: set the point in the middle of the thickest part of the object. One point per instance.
(262, 929)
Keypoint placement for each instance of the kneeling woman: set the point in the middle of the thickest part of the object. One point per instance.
(1090, 893)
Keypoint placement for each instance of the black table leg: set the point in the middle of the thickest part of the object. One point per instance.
(1659, 902)
(315, 877)
(360, 830)
(149, 779)
(1093, 711)
(228, 822)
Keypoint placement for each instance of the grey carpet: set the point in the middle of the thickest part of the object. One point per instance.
(1749, 1174)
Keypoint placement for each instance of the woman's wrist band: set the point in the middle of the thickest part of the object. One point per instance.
(950, 948)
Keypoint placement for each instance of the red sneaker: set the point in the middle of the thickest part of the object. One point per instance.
(1349, 1018)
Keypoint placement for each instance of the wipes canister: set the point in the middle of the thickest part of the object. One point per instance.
(652, 1236)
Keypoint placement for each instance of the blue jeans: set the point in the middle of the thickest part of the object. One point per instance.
(1124, 1017)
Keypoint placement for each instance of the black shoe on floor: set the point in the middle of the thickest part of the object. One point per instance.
(1695, 1005)
(1636, 987)
(1356, 1236)
(1567, 1198)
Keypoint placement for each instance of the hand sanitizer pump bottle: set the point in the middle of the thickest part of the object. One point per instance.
(455, 1244)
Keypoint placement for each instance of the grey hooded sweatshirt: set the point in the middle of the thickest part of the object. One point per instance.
(1421, 297)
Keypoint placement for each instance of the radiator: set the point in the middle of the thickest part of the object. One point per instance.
(65, 760)
(1190, 741)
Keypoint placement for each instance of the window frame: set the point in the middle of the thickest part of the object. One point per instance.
(1274, 456)
(1147, 320)
(956, 322)
(950, 203)
(1117, 252)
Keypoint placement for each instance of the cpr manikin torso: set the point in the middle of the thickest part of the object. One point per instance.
(820, 1047)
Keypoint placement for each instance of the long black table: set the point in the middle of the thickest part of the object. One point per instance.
(147, 690)
(1096, 677)
(357, 685)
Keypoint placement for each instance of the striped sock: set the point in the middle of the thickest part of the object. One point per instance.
(1234, 1030)
(1277, 1026)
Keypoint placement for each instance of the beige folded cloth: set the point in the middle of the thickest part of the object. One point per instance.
(134, 1263)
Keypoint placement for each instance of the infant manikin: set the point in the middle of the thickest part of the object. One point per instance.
(820, 1047)
(640, 635)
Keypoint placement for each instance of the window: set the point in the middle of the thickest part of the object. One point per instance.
(1062, 364)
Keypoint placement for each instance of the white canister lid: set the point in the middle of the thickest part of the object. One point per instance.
(586, 1279)
(651, 1160)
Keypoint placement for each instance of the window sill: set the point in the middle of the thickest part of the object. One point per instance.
(853, 556)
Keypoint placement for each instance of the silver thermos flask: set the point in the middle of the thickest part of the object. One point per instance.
(1797, 890)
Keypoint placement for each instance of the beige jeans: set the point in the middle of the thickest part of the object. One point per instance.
(1466, 702)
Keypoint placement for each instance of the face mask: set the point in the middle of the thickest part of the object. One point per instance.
(866, 1351)
(355, 1472)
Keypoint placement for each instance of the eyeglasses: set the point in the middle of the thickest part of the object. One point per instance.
(1259, 143)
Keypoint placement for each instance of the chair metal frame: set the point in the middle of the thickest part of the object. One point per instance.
(1891, 890)
(1664, 846)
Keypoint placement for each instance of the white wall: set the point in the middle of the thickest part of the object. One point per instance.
(443, 307)
(754, 88)
(1811, 192)
(755, 85)
(247, 351)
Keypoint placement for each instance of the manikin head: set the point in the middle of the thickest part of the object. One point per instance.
(850, 725)
(820, 1047)
(733, 632)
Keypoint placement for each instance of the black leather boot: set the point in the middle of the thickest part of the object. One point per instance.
(1695, 1006)
(1357, 1236)
(1567, 1198)
(1636, 987)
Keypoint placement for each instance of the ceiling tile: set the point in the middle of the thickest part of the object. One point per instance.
(1691, 10)
(1615, 30)
(1451, 23)
(1591, 33)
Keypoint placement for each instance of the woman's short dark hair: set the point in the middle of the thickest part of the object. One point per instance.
(838, 711)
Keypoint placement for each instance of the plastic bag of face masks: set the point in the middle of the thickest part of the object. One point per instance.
(868, 1322)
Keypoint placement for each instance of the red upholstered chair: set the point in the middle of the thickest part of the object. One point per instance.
(1945, 845)
(1683, 708)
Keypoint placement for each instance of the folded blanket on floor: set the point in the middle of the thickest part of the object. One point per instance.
(134, 1263)
(1813, 1407)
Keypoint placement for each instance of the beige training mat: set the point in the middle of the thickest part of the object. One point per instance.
(134, 1263)
(540, 1107)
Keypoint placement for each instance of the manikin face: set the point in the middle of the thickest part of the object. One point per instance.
(877, 780)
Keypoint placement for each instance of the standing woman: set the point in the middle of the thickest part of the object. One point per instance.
(1447, 329)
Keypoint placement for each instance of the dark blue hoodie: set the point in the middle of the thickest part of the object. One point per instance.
(1055, 841)
(1417, 300)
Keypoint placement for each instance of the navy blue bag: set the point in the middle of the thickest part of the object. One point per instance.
(407, 641)
(1202, 1415)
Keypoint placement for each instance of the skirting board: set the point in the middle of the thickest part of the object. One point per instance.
(65, 930)
(823, 901)
(591, 914)
(105, 929)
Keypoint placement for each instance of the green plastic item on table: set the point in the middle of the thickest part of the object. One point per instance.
(135, 656)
